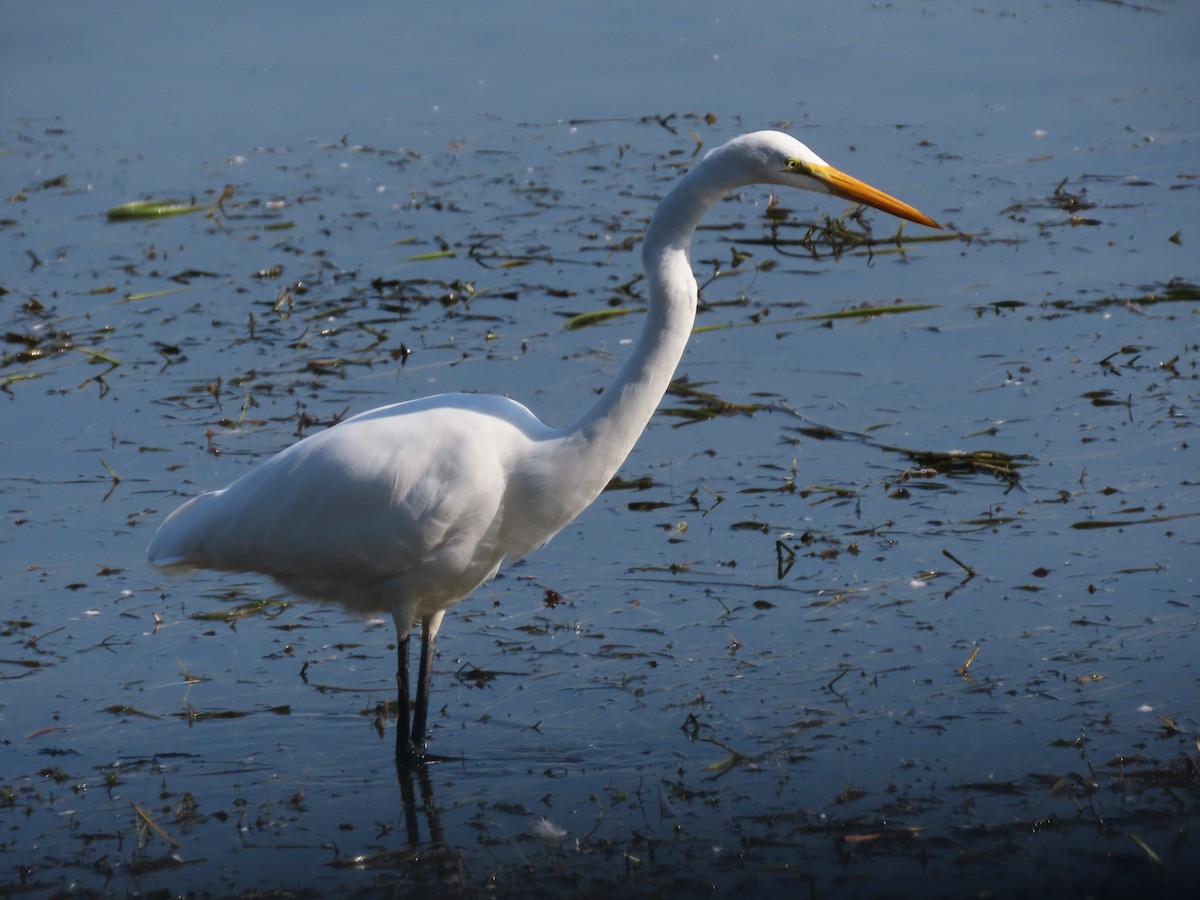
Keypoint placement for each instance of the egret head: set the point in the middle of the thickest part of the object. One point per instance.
(773, 157)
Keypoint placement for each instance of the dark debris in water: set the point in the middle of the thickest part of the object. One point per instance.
(958, 464)
(701, 405)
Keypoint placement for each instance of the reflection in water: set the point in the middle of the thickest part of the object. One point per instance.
(420, 860)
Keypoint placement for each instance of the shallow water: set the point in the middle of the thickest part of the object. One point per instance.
(752, 678)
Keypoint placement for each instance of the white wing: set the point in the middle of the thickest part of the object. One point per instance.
(405, 499)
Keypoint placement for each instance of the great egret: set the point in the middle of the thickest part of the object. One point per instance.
(408, 508)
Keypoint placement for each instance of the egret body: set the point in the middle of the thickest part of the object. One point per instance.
(408, 508)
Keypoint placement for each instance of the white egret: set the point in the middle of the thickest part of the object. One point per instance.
(409, 508)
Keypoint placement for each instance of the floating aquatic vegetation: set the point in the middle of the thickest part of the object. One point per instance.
(833, 236)
(703, 405)
(158, 209)
(153, 209)
(599, 316)
(1122, 523)
(1173, 291)
(270, 607)
(962, 463)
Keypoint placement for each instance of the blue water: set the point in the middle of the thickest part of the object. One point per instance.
(695, 720)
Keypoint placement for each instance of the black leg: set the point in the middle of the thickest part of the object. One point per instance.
(424, 678)
(404, 747)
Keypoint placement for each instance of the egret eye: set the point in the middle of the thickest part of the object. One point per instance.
(797, 166)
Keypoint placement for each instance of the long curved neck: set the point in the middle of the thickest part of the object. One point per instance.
(609, 428)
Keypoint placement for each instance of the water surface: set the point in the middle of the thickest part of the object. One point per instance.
(754, 667)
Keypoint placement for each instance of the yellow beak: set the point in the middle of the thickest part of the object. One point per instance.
(850, 188)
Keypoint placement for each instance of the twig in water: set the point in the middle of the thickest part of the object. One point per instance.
(963, 669)
(971, 573)
(149, 820)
